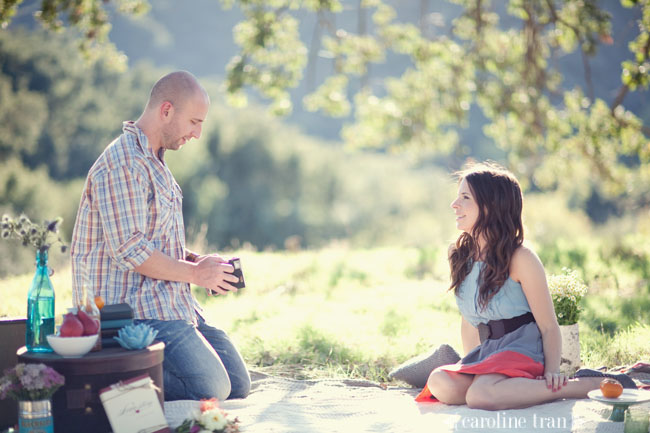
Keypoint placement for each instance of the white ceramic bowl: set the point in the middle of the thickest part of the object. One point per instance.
(70, 347)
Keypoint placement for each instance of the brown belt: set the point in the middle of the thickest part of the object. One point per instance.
(495, 329)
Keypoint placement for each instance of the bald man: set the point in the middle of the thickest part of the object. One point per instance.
(129, 243)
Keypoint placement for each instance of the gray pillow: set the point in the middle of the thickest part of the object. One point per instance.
(416, 370)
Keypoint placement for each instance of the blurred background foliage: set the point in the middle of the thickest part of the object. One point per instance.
(249, 180)
(555, 90)
(343, 203)
(506, 61)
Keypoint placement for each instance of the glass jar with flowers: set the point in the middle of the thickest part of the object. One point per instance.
(567, 290)
(32, 385)
(40, 298)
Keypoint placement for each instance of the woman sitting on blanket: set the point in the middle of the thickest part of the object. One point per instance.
(509, 330)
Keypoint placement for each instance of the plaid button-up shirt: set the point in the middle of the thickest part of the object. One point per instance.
(130, 206)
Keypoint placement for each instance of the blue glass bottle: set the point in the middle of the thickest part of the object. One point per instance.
(40, 307)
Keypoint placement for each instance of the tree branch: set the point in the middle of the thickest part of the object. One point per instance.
(424, 11)
(313, 54)
(556, 18)
(479, 17)
(619, 97)
(624, 90)
(533, 73)
(362, 26)
(361, 19)
(644, 129)
(585, 62)
(590, 85)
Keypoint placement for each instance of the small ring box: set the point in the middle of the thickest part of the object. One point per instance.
(236, 263)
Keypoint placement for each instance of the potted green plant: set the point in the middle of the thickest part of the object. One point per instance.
(567, 290)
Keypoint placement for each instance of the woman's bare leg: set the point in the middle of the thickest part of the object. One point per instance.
(449, 387)
(497, 392)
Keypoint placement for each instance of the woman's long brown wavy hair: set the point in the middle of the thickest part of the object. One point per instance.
(499, 200)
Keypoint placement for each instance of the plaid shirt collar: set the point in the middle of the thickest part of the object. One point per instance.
(130, 127)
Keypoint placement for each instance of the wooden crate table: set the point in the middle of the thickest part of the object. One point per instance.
(76, 406)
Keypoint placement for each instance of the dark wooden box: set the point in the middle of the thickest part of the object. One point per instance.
(76, 406)
(12, 336)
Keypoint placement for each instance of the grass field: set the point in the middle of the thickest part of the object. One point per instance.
(342, 312)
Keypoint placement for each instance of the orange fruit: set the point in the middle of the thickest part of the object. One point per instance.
(611, 388)
(99, 301)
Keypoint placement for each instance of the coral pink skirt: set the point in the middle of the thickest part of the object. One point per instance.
(517, 354)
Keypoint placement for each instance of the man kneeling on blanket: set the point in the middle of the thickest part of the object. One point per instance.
(509, 329)
(129, 243)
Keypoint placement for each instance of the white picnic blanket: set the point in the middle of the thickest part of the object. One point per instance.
(280, 405)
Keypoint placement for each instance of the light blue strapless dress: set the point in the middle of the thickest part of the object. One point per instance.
(509, 302)
(517, 354)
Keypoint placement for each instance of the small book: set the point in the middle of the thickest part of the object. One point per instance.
(132, 406)
(116, 323)
(116, 311)
(109, 342)
(111, 332)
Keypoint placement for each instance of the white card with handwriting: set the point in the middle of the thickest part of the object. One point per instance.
(132, 406)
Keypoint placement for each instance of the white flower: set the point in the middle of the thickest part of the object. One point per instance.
(568, 285)
(567, 290)
(213, 420)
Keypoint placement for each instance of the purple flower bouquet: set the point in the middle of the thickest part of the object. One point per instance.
(30, 382)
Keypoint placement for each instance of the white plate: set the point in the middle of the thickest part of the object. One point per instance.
(629, 396)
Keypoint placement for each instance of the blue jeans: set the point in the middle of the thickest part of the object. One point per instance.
(200, 361)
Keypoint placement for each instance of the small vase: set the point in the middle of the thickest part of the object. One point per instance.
(570, 359)
(35, 416)
(40, 307)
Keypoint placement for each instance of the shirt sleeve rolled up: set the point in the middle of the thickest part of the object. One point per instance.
(123, 208)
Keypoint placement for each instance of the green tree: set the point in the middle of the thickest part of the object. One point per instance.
(56, 111)
(56, 116)
(89, 19)
(550, 133)
(492, 57)
(253, 180)
(250, 179)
